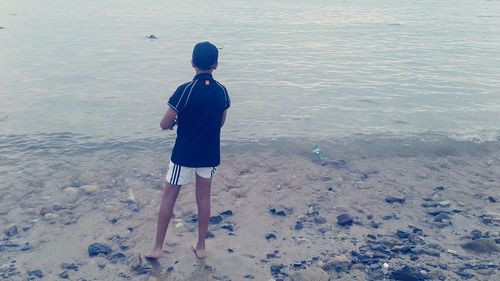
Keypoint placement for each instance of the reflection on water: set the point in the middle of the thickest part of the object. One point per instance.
(315, 69)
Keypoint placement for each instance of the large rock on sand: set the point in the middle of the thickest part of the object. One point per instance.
(481, 246)
(313, 273)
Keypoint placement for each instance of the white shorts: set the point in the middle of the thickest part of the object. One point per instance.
(180, 175)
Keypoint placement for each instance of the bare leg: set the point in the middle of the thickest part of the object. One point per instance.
(203, 187)
(170, 193)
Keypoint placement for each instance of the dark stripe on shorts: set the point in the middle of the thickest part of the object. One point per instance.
(174, 177)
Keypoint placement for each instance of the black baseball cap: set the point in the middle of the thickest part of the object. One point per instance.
(205, 55)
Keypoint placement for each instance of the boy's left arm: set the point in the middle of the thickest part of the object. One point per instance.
(168, 123)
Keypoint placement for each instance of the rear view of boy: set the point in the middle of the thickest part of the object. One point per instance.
(199, 108)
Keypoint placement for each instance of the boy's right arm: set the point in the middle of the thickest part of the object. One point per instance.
(168, 123)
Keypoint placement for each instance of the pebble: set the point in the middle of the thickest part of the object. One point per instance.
(215, 219)
(249, 276)
(319, 219)
(98, 248)
(345, 220)
(35, 273)
(394, 199)
(408, 274)
(118, 257)
(69, 266)
(90, 189)
(64, 275)
(270, 236)
(130, 197)
(280, 213)
(339, 263)
(228, 226)
(476, 234)
(451, 252)
(402, 234)
(301, 240)
(11, 231)
(73, 193)
(151, 36)
(444, 204)
(298, 225)
(313, 273)
(313, 211)
(227, 213)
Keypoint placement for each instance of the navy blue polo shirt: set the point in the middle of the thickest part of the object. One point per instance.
(199, 105)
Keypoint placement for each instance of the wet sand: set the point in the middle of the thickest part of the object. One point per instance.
(61, 203)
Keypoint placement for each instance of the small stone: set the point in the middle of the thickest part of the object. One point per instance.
(270, 236)
(442, 217)
(280, 213)
(51, 217)
(394, 199)
(451, 252)
(492, 199)
(210, 235)
(97, 248)
(476, 234)
(72, 194)
(298, 225)
(313, 211)
(90, 189)
(429, 204)
(178, 225)
(227, 213)
(118, 257)
(319, 220)
(345, 220)
(339, 263)
(152, 37)
(64, 275)
(313, 273)
(11, 231)
(249, 276)
(45, 210)
(215, 219)
(35, 273)
(228, 226)
(407, 274)
(69, 266)
(170, 269)
(402, 234)
(301, 240)
(444, 204)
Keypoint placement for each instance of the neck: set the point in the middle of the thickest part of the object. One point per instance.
(200, 71)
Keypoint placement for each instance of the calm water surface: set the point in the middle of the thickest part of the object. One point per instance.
(310, 69)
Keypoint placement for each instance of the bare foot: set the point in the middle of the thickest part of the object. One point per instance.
(200, 253)
(154, 255)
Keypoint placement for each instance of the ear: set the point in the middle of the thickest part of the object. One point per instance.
(192, 64)
(214, 67)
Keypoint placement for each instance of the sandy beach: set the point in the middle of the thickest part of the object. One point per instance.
(277, 210)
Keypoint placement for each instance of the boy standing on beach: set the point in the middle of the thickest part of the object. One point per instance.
(200, 107)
